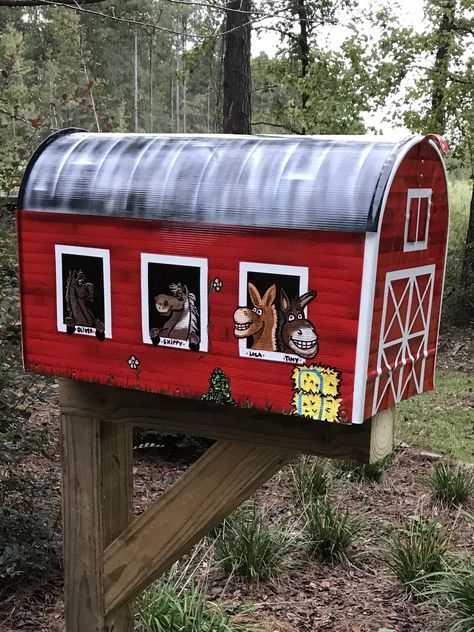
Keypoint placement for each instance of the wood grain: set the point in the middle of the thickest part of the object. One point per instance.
(381, 437)
(116, 498)
(287, 432)
(82, 524)
(227, 474)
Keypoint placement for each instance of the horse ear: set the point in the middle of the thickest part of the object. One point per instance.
(269, 296)
(185, 289)
(305, 299)
(284, 300)
(254, 295)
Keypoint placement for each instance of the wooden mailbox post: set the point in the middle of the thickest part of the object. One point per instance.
(279, 295)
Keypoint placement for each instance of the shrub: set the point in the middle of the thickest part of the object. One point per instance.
(363, 472)
(310, 479)
(329, 533)
(177, 604)
(451, 483)
(248, 545)
(453, 589)
(417, 552)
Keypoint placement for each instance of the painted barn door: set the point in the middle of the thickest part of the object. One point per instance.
(403, 344)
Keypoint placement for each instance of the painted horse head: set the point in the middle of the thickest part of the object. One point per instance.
(81, 286)
(79, 296)
(258, 321)
(296, 333)
(174, 302)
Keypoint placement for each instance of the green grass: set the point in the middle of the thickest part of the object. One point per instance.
(177, 603)
(442, 420)
(363, 472)
(249, 546)
(310, 479)
(330, 533)
(417, 552)
(451, 483)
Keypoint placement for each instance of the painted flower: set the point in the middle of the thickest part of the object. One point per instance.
(133, 362)
(217, 285)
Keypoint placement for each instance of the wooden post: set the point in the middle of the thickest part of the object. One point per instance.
(97, 496)
(381, 434)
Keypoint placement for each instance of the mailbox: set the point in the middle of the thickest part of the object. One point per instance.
(298, 275)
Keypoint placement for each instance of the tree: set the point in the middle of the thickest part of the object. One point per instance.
(237, 80)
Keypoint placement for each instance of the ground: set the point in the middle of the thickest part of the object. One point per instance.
(362, 596)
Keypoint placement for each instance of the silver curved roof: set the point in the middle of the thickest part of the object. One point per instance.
(315, 182)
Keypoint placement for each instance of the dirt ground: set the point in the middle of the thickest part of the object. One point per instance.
(362, 596)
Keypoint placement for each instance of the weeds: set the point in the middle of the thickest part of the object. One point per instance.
(310, 479)
(363, 472)
(451, 483)
(329, 533)
(177, 603)
(417, 552)
(249, 546)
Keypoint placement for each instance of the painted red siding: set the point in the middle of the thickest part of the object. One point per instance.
(421, 169)
(334, 261)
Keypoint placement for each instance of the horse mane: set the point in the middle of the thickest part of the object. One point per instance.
(193, 310)
(68, 293)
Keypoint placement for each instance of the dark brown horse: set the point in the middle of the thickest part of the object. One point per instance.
(79, 298)
(296, 334)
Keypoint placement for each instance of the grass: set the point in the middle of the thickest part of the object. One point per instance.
(330, 533)
(443, 419)
(177, 603)
(451, 483)
(417, 552)
(249, 546)
(363, 472)
(453, 589)
(310, 479)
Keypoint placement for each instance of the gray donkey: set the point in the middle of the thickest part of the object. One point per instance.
(296, 334)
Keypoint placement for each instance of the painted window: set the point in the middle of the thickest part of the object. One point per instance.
(174, 301)
(271, 321)
(417, 219)
(83, 304)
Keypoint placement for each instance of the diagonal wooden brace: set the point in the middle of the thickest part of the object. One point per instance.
(226, 475)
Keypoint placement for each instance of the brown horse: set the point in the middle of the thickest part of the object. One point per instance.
(79, 297)
(258, 321)
(179, 307)
(296, 334)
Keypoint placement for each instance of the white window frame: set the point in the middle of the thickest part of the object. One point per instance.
(245, 268)
(417, 194)
(101, 253)
(194, 262)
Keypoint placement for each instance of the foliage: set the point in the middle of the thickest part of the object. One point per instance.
(219, 388)
(442, 419)
(177, 603)
(451, 483)
(250, 547)
(330, 533)
(453, 589)
(28, 539)
(363, 472)
(417, 552)
(310, 479)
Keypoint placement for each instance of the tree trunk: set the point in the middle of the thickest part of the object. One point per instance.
(440, 72)
(237, 74)
(467, 272)
(300, 10)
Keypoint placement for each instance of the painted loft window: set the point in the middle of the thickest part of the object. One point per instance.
(417, 219)
(271, 322)
(174, 301)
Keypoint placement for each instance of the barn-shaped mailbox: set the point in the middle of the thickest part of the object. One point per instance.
(294, 274)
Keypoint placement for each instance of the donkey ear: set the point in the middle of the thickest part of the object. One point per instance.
(284, 300)
(305, 299)
(269, 296)
(254, 295)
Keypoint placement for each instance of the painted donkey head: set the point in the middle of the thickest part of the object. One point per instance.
(258, 321)
(296, 334)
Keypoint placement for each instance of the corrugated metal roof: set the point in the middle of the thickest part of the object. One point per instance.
(308, 182)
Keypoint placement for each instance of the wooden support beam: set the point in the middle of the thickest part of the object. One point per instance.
(381, 434)
(97, 503)
(287, 432)
(226, 475)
